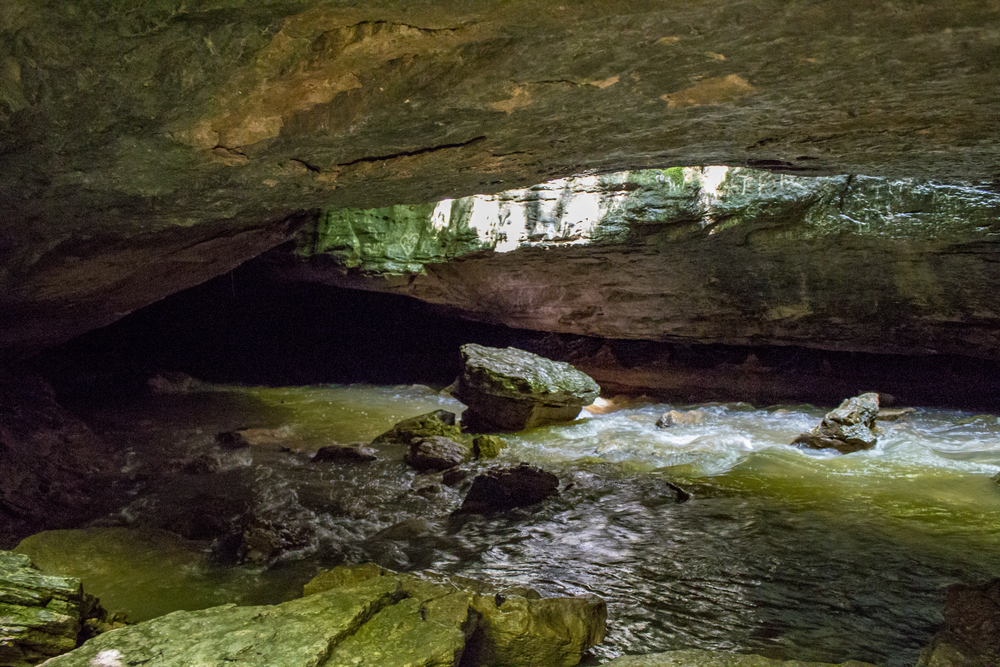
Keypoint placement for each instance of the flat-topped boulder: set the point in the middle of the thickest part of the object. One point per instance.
(694, 658)
(364, 614)
(513, 390)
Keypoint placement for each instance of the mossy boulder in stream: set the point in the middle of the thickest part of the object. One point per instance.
(513, 390)
(437, 423)
(717, 659)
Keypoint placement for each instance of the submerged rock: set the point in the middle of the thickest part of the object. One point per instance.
(678, 418)
(344, 454)
(436, 453)
(437, 423)
(849, 428)
(513, 627)
(971, 633)
(506, 488)
(694, 658)
(513, 390)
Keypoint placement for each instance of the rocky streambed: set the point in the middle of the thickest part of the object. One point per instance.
(776, 551)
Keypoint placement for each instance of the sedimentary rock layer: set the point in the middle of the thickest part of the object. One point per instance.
(149, 146)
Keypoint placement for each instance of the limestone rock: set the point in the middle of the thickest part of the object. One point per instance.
(513, 390)
(437, 423)
(487, 446)
(695, 658)
(678, 418)
(436, 453)
(506, 488)
(299, 633)
(848, 428)
(40, 614)
(503, 628)
(971, 633)
(344, 454)
(895, 414)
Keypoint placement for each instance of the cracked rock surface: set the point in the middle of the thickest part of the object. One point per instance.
(168, 141)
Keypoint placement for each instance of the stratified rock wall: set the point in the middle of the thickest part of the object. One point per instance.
(148, 146)
(715, 255)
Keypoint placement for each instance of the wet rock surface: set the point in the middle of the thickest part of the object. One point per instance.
(364, 613)
(438, 423)
(506, 488)
(718, 659)
(513, 390)
(41, 615)
(678, 418)
(344, 454)
(509, 627)
(436, 453)
(849, 428)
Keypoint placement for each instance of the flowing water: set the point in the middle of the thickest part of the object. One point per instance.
(779, 551)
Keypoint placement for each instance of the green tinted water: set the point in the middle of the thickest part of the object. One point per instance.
(782, 552)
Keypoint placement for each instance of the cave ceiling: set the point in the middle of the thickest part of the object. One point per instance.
(148, 146)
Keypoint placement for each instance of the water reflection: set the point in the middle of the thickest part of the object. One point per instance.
(787, 553)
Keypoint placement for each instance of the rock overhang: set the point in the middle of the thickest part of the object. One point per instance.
(166, 143)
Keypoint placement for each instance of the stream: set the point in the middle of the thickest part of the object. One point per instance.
(779, 551)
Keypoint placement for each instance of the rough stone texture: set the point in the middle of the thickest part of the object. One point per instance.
(437, 423)
(175, 140)
(513, 390)
(487, 446)
(436, 453)
(678, 418)
(510, 628)
(300, 633)
(344, 454)
(717, 659)
(848, 428)
(49, 461)
(971, 633)
(40, 614)
(506, 488)
(737, 257)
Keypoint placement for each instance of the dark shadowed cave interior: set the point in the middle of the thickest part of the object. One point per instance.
(260, 262)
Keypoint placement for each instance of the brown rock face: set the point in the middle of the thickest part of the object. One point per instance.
(49, 461)
(166, 143)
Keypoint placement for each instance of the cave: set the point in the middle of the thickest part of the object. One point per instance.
(242, 238)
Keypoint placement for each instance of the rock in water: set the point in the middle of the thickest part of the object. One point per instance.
(971, 633)
(344, 454)
(506, 488)
(40, 614)
(436, 453)
(439, 422)
(849, 428)
(694, 658)
(678, 418)
(507, 628)
(513, 390)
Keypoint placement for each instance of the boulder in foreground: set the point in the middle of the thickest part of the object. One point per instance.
(506, 629)
(362, 615)
(513, 390)
(849, 428)
(717, 659)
